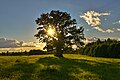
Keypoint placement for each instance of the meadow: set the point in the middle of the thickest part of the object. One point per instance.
(49, 67)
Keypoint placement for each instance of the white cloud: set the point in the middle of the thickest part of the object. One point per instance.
(118, 29)
(109, 31)
(92, 17)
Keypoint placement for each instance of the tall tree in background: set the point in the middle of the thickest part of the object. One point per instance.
(59, 31)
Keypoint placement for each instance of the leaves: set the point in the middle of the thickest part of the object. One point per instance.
(65, 28)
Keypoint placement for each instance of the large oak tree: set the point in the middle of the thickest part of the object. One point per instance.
(59, 31)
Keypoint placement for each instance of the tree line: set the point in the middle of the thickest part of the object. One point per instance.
(35, 52)
(108, 48)
(25, 53)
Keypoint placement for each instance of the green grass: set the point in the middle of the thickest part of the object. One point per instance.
(48, 67)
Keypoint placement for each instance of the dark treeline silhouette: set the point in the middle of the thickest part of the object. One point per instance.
(108, 48)
(31, 52)
(35, 52)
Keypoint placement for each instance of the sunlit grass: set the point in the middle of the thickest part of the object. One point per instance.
(48, 67)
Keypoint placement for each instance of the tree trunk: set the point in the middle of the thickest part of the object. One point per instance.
(59, 54)
(59, 47)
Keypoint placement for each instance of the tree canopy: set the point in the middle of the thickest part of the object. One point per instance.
(59, 31)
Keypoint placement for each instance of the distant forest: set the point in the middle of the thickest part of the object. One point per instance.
(31, 52)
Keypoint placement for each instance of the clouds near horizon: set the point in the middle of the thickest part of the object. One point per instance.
(12, 43)
(5, 43)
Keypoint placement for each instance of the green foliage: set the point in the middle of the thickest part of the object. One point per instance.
(66, 32)
(48, 67)
(108, 48)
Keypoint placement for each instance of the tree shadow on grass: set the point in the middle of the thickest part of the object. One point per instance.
(55, 69)
(26, 69)
(51, 68)
(69, 68)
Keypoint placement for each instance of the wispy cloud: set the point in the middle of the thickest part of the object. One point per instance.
(117, 22)
(89, 40)
(99, 29)
(93, 18)
(29, 44)
(118, 29)
(102, 30)
(109, 31)
(87, 30)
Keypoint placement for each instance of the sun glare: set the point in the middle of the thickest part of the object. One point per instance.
(51, 32)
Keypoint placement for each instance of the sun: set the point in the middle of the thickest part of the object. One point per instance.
(51, 31)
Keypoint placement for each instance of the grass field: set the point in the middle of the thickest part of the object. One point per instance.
(48, 67)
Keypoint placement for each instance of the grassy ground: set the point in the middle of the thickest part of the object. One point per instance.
(48, 67)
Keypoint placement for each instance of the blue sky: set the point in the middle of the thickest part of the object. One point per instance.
(17, 17)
